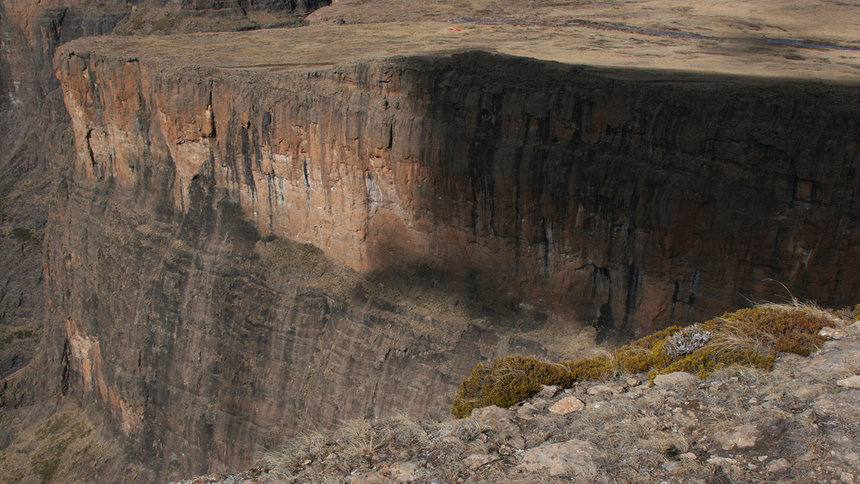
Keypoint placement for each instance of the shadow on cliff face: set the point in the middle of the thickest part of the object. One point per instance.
(625, 198)
(629, 198)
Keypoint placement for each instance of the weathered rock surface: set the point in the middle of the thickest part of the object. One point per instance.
(574, 459)
(507, 184)
(37, 144)
(616, 197)
(726, 429)
(850, 382)
(566, 405)
(677, 378)
(36, 148)
(456, 201)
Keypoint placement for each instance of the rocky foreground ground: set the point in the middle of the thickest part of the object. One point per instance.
(797, 423)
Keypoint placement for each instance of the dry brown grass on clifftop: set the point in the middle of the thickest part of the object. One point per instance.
(748, 337)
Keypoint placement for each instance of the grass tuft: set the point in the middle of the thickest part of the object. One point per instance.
(749, 337)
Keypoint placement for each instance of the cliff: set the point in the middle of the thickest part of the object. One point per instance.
(449, 201)
(263, 232)
(37, 140)
(795, 423)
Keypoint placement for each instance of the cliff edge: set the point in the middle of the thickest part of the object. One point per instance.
(268, 231)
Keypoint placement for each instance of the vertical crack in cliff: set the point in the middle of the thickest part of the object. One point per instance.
(305, 173)
(92, 157)
(545, 246)
(691, 300)
(64, 363)
(210, 115)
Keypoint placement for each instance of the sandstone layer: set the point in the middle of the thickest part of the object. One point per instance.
(36, 147)
(431, 191)
(36, 140)
(258, 233)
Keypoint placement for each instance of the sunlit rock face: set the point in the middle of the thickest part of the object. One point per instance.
(236, 255)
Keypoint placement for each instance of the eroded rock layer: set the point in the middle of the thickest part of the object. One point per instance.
(442, 200)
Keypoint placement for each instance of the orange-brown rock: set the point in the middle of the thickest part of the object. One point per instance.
(449, 203)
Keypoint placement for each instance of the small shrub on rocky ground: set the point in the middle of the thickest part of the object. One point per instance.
(749, 337)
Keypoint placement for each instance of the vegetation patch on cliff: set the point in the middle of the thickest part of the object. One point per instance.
(64, 447)
(749, 337)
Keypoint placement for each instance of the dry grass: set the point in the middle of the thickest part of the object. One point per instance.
(747, 337)
(740, 333)
(357, 445)
(807, 307)
(416, 28)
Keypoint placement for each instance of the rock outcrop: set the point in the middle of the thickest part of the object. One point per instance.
(624, 201)
(618, 197)
(793, 424)
(262, 232)
(36, 140)
(36, 148)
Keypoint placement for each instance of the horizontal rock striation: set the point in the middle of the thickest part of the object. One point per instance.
(431, 191)
(37, 142)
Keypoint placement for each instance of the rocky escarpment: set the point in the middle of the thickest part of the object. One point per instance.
(628, 199)
(794, 424)
(37, 141)
(450, 203)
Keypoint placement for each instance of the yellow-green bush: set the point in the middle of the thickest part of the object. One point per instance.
(506, 381)
(750, 337)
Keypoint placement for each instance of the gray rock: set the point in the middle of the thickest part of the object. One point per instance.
(527, 411)
(841, 406)
(850, 382)
(567, 405)
(574, 458)
(675, 379)
(606, 389)
(548, 391)
(491, 414)
(778, 465)
(832, 333)
(742, 437)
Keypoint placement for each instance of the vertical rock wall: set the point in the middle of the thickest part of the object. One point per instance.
(200, 321)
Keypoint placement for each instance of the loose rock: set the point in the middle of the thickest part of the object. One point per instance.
(574, 458)
(832, 333)
(607, 389)
(675, 379)
(548, 391)
(850, 382)
(567, 405)
(742, 437)
(778, 465)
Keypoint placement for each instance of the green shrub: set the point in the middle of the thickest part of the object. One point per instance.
(750, 337)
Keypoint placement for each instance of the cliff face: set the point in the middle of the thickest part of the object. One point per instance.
(445, 202)
(35, 131)
(37, 140)
(35, 148)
